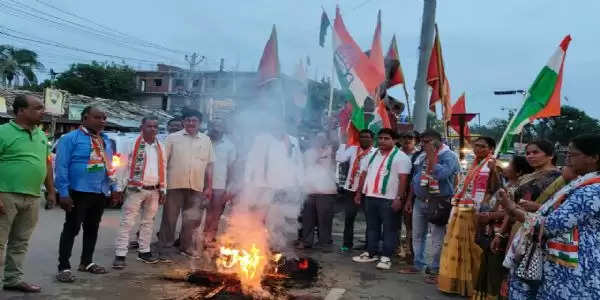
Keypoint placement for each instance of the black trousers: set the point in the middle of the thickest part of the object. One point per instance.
(87, 213)
(318, 211)
(350, 212)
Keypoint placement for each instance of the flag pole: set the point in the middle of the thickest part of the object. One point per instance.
(407, 102)
(510, 123)
(330, 106)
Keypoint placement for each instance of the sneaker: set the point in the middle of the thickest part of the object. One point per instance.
(147, 258)
(119, 263)
(345, 249)
(365, 258)
(385, 263)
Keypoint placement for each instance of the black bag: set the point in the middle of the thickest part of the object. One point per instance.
(438, 209)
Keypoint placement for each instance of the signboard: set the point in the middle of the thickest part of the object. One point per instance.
(53, 100)
(2, 105)
(75, 111)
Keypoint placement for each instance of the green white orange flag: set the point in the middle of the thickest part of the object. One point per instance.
(543, 97)
(357, 75)
(381, 118)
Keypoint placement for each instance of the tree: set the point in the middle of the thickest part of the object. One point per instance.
(16, 63)
(569, 124)
(99, 80)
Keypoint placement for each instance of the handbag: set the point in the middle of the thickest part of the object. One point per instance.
(531, 265)
(438, 210)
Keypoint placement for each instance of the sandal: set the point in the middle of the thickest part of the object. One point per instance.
(409, 270)
(65, 276)
(92, 268)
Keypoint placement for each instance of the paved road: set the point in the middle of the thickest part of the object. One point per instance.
(141, 281)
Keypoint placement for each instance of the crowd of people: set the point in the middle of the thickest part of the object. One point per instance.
(526, 231)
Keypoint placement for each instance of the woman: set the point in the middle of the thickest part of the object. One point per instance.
(568, 224)
(490, 218)
(530, 196)
(459, 262)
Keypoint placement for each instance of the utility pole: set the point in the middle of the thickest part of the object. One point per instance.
(421, 103)
(193, 60)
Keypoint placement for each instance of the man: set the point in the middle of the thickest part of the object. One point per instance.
(353, 155)
(145, 178)
(84, 177)
(225, 156)
(272, 182)
(384, 181)
(173, 125)
(190, 157)
(434, 173)
(24, 165)
(321, 191)
(408, 142)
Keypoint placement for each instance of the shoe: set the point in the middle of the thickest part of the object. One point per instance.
(119, 263)
(134, 245)
(365, 258)
(385, 263)
(345, 249)
(147, 258)
(24, 287)
(164, 258)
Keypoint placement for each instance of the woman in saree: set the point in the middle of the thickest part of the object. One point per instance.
(529, 196)
(568, 224)
(490, 218)
(459, 261)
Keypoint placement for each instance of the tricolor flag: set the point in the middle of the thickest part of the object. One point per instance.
(356, 74)
(376, 52)
(268, 69)
(543, 97)
(393, 70)
(380, 117)
(436, 78)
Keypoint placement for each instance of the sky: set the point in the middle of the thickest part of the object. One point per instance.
(487, 45)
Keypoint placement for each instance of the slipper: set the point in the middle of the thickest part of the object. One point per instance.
(409, 270)
(65, 276)
(431, 279)
(92, 268)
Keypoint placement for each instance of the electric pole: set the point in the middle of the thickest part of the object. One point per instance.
(421, 101)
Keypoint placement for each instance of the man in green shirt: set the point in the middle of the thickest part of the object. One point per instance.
(24, 166)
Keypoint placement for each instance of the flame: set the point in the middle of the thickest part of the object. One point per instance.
(116, 160)
(248, 262)
(303, 264)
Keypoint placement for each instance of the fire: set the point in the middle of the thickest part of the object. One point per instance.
(249, 263)
(303, 264)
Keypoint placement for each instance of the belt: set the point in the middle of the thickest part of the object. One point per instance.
(151, 187)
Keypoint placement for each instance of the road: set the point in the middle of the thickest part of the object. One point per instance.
(141, 281)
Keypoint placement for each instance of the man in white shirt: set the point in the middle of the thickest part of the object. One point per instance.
(225, 156)
(145, 179)
(353, 155)
(321, 193)
(384, 181)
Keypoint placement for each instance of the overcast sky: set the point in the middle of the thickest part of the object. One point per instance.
(487, 45)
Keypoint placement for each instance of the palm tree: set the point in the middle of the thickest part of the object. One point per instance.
(15, 63)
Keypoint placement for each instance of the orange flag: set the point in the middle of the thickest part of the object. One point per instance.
(460, 107)
(268, 69)
(436, 78)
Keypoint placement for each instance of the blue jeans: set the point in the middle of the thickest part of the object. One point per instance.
(419, 228)
(380, 214)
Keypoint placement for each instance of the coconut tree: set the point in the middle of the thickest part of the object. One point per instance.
(15, 63)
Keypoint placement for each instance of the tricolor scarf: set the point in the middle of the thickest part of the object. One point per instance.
(563, 249)
(138, 164)
(360, 153)
(389, 158)
(98, 160)
(426, 179)
(472, 189)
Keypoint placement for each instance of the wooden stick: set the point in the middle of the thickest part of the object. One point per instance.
(215, 291)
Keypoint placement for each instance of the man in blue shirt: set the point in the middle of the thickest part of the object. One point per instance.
(435, 170)
(84, 180)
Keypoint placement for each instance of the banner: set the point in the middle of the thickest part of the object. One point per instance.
(75, 111)
(2, 105)
(53, 100)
